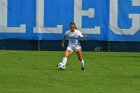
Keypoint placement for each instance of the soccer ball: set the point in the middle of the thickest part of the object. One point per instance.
(61, 66)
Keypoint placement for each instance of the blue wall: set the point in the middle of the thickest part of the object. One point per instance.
(61, 12)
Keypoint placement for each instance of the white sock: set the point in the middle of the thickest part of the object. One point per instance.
(64, 61)
(82, 63)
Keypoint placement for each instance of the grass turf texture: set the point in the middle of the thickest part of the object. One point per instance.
(36, 72)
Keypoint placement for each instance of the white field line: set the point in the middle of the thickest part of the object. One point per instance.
(7, 52)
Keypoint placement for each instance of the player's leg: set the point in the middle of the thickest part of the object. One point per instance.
(66, 54)
(79, 54)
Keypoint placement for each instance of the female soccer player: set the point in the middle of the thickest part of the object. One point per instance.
(74, 44)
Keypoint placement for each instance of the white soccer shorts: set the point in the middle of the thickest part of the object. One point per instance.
(74, 48)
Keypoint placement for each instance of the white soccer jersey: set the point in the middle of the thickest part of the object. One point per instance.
(73, 37)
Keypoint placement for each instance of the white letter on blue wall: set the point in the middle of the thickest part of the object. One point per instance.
(78, 13)
(40, 20)
(3, 20)
(114, 19)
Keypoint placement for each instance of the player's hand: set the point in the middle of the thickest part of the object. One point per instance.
(62, 43)
(84, 36)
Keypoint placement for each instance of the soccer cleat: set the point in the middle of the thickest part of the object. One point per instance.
(83, 68)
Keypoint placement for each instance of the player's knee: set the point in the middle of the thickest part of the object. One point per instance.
(65, 55)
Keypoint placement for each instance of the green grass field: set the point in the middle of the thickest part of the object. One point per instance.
(36, 72)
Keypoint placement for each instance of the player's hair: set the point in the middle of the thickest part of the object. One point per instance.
(72, 23)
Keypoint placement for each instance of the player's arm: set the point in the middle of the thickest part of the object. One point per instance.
(63, 41)
(83, 36)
